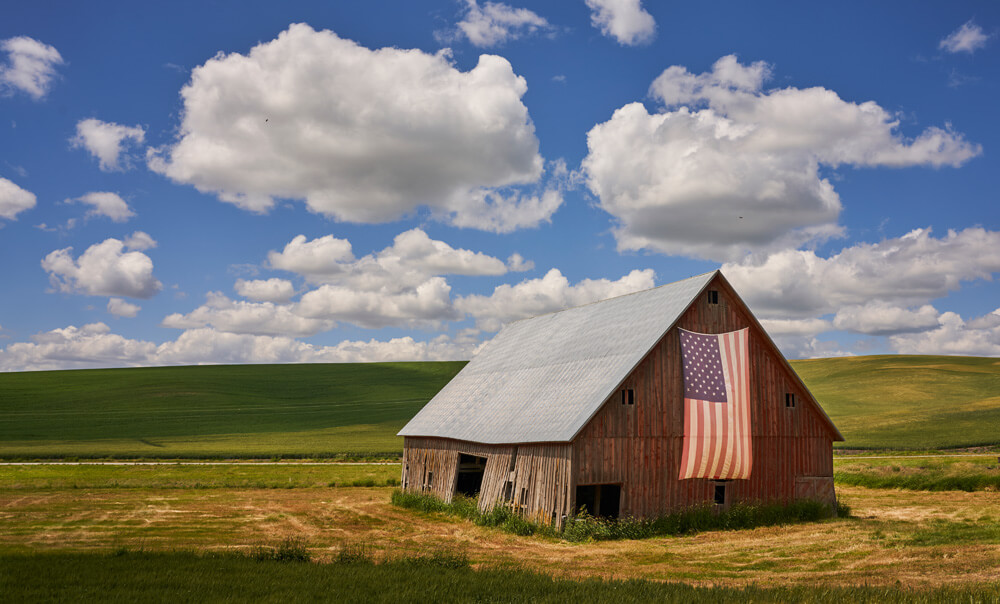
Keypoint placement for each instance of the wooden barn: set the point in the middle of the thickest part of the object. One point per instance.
(593, 406)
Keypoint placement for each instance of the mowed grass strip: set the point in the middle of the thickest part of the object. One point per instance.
(187, 476)
(957, 473)
(188, 577)
(246, 410)
(908, 402)
(916, 538)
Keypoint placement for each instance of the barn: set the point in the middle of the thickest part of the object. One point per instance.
(600, 406)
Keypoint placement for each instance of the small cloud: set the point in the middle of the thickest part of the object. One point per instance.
(517, 264)
(968, 38)
(559, 78)
(139, 241)
(494, 23)
(103, 203)
(623, 20)
(107, 141)
(31, 67)
(121, 308)
(956, 79)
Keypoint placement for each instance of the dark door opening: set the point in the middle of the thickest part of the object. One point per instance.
(470, 474)
(600, 499)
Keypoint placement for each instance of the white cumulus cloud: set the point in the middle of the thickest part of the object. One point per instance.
(967, 38)
(880, 318)
(260, 318)
(108, 141)
(904, 271)
(121, 308)
(361, 135)
(266, 290)
(105, 269)
(546, 294)
(75, 347)
(424, 305)
(623, 20)
(30, 68)
(728, 168)
(978, 337)
(103, 203)
(14, 199)
(139, 240)
(494, 23)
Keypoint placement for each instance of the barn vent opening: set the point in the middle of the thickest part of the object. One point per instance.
(720, 493)
(470, 474)
(603, 500)
(628, 396)
(713, 296)
(789, 399)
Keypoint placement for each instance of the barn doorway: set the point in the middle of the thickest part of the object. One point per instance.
(601, 500)
(470, 474)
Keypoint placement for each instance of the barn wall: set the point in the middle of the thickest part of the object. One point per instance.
(540, 481)
(639, 446)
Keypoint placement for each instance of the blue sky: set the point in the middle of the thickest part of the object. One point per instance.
(305, 182)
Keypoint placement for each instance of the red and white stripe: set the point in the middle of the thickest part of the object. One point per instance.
(717, 435)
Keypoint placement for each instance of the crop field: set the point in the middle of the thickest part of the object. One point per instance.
(331, 410)
(944, 473)
(908, 402)
(215, 411)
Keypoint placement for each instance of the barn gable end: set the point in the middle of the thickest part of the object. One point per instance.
(538, 420)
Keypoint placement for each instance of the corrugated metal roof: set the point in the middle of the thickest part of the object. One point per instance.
(542, 379)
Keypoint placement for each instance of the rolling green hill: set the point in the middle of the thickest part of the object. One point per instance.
(234, 410)
(908, 402)
(904, 402)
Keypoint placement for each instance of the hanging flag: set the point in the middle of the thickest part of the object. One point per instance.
(716, 406)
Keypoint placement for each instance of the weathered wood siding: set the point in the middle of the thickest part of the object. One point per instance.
(540, 480)
(639, 446)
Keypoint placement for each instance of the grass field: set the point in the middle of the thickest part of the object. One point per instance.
(262, 411)
(955, 473)
(215, 411)
(188, 577)
(908, 402)
(917, 539)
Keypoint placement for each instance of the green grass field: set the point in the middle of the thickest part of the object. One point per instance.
(908, 402)
(215, 411)
(899, 402)
(189, 577)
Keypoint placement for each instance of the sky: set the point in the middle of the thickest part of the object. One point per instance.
(257, 182)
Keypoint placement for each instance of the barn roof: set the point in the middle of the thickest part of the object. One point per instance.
(542, 379)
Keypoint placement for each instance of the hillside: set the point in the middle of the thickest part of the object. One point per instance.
(268, 410)
(908, 402)
(235, 410)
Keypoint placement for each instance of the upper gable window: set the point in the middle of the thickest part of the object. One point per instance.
(713, 296)
(628, 396)
(790, 400)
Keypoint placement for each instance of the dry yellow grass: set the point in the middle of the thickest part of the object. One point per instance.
(916, 539)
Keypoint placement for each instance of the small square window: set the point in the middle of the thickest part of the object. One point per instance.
(789, 400)
(713, 296)
(628, 396)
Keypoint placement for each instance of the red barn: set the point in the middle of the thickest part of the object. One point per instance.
(588, 406)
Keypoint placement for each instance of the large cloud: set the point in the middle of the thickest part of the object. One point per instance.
(728, 167)
(424, 305)
(361, 135)
(105, 269)
(623, 20)
(107, 142)
(14, 199)
(879, 318)
(31, 66)
(75, 347)
(909, 270)
(550, 293)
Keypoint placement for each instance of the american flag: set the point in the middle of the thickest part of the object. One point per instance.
(716, 406)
